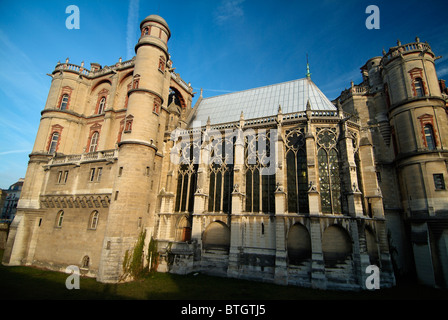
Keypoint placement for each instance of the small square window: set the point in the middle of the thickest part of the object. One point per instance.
(439, 182)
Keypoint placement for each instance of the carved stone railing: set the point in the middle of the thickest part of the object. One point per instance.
(95, 73)
(181, 82)
(106, 155)
(409, 47)
(354, 90)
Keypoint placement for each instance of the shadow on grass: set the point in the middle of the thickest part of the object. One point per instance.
(32, 283)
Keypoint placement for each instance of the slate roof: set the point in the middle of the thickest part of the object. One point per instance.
(292, 96)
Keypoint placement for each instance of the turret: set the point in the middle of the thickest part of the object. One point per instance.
(139, 161)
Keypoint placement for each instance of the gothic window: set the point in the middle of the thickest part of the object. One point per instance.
(358, 168)
(329, 179)
(102, 105)
(94, 142)
(54, 142)
(429, 137)
(221, 175)
(59, 218)
(93, 222)
(260, 178)
(297, 176)
(419, 89)
(64, 102)
(187, 178)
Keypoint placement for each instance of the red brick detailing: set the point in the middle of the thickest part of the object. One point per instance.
(135, 81)
(129, 120)
(65, 90)
(416, 73)
(162, 64)
(424, 120)
(55, 129)
(127, 97)
(95, 128)
(120, 131)
(157, 104)
(102, 94)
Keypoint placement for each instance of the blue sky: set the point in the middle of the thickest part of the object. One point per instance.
(221, 46)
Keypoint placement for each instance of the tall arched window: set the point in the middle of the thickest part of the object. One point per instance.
(429, 136)
(297, 176)
(187, 178)
(93, 223)
(53, 142)
(221, 176)
(329, 179)
(260, 178)
(102, 105)
(59, 219)
(419, 89)
(64, 102)
(93, 142)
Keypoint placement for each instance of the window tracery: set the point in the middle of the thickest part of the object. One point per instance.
(187, 177)
(297, 175)
(328, 163)
(221, 175)
(260, 180)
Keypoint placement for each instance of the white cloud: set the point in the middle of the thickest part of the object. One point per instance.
(229, 9)
(131, 38)
(442, 72)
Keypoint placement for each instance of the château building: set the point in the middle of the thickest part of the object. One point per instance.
(276, 184)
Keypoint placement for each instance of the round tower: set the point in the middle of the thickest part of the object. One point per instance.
(419, 125)
(138, 163)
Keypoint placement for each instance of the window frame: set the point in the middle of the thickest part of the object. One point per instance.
(53, 146)
(441, 183)
(63, 105)
(94, 141)
(94, 219)
(430, 139)
(59, 219)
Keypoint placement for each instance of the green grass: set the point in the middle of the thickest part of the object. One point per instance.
(33, 283)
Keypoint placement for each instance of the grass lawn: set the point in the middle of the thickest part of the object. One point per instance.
(31, 283)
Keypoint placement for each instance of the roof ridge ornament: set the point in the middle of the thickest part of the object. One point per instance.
(308, 74)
